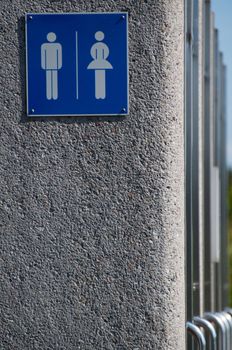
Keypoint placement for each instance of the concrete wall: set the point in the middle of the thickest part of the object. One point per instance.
(91, 210)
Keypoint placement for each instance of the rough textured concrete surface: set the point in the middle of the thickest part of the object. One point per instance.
(92, 210)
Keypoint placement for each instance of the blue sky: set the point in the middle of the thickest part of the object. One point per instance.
(223, 20)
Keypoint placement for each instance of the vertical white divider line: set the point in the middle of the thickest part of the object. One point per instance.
(77, 71)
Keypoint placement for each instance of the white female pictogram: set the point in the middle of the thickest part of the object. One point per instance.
(100, 53)
(51, 62)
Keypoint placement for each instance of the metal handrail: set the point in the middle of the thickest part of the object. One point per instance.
(227, 326)
(202, 322)
(228, 318)
(196, 332)
(227, 312)
(219, 322)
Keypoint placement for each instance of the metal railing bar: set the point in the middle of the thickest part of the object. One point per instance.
(229, 321)
(221, 325)
(197, 333)
(202, 322)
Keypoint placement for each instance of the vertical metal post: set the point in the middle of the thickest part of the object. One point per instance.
(188, 152)
(224, 214)
(215, 169)
(207, 159)
(195, 162)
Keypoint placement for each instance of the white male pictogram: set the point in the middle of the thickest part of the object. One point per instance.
(51, 62)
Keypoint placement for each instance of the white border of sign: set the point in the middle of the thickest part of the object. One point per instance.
(31, 114)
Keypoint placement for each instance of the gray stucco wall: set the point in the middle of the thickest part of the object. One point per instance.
(91, 210)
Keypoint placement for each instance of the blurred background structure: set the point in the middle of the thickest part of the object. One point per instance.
(223, 13)
(208, 141)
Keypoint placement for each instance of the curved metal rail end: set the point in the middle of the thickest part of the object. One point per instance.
(228, 319)
(196, 332)
(202, 322)
(219, 322)
(228, 310)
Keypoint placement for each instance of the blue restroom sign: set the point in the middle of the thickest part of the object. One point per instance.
(77, 64)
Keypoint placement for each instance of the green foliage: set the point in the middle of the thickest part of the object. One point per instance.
(229, 194)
